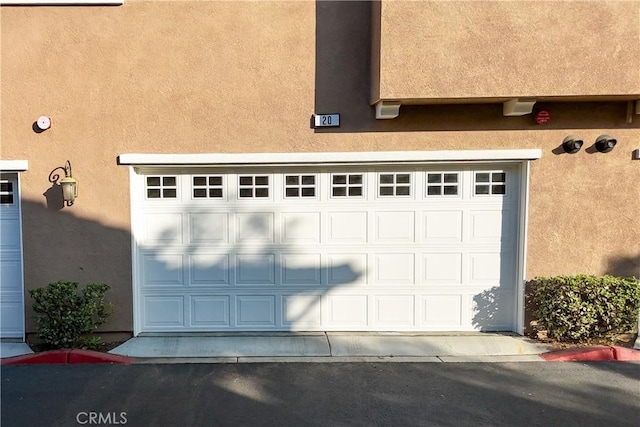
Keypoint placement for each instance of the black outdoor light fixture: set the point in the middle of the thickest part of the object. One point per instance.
(572, 144)
(605, 143)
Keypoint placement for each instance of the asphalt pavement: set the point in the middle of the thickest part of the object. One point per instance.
(323, 394)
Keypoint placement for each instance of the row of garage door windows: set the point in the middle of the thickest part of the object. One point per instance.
(342, 185)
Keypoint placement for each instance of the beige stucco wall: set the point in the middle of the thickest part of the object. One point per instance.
(491, 49)
(191, 77)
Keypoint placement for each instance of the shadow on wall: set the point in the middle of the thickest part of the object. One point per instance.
(54, 198)
(58, 245)
(625, 266)
(343, 82)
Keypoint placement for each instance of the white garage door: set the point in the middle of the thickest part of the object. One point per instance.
(11, 289)
(419, 248)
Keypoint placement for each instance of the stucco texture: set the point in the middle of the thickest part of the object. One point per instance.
(206, 77)
(484, 49)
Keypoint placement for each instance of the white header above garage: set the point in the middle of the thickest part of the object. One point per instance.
(14, 165)
(359, 158)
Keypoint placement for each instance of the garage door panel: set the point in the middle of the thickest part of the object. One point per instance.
(394, 310)
(301, 269)
(255, 269)
(347, 227)
(489, 267)
(164, 311)
(10, 273)
(396, 227)
(210, 311)
(442, 268)
(442, 226)
(209, 228)
(209, 269)
(491, 226)
(442, 311)
(302, 311)
(162, 269)
(11, 317)
(255, 227)
(348, 310)
(492, 309)
(162, 229)
(256, 310)
(301, 228)
(9, 231)
(395, 268)
(347, 269)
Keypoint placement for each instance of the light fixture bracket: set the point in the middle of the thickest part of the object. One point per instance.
(68, 184)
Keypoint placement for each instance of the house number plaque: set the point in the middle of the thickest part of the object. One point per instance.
(327, 120)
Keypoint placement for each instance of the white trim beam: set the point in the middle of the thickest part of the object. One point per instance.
(346, 158)
(61, 2)
(14, 165)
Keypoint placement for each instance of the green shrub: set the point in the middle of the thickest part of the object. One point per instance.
(66, 318)
(583, 308)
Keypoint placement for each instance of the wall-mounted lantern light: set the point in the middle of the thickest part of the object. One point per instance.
(572, 144)
(605, 143)
(69, 184)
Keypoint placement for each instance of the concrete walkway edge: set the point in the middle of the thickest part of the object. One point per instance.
(332, 347)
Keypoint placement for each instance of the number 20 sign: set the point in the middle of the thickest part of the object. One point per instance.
(327, 120)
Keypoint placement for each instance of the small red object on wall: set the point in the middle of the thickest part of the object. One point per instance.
(543, 117)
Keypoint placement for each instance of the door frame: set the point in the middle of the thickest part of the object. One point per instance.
(139, 163)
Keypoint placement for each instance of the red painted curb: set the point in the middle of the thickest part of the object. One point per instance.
(626, 354)
(65, 356)
(46, 357)
(88, 356)
(598, 353)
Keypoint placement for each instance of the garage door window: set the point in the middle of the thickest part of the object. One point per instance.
(6, 192)
(347, 185)
(253, 186)
(162, 187)
(394, 184)
(443, 184)
(299, 186)
(490, 183)
(209, 186)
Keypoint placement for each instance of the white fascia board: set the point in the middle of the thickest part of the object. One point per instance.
(14, 165)
(355, 158)
(61, 2)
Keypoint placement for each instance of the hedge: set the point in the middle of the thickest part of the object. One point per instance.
(582, 307)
